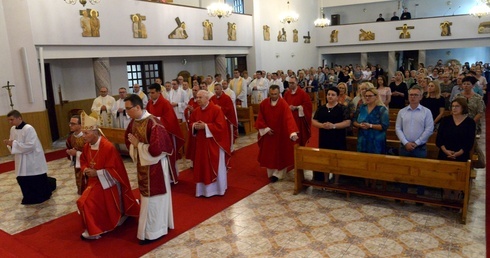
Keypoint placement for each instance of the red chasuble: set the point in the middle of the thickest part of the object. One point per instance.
(101, 209)
(206, 159)
(276, 150)
(191, 141)
(150, 131)
(301, 98)
(226, 104)
(165, 112)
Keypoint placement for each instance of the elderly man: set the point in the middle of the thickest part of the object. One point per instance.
(300, 105)
(191, 106)
(137, 90)
(108, 199)
(224, 101)
(277, 134)
(212, 151)
(102, 106)
(162, 109)
(258, 88)
(30, 164)
(150, 145)
(239, 85)
(74, 147)
(121, 119)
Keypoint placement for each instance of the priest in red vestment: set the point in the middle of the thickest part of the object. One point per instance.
(149, 146)
(163, 110)
(191, 142)
(108, 199)
(300, 104)
(277, 135)
(212, 152)
(74, 147)
(224, 101)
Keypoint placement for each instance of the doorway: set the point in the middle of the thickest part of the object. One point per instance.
(50, 104)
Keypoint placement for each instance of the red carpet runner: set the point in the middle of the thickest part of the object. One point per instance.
(61, 237)
(10, 165)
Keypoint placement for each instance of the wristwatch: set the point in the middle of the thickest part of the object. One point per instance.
(371, 126)
(334, 127)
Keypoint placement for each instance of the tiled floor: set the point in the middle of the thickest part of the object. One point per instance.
(273, 222)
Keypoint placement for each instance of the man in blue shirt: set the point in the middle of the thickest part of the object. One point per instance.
(414, 126)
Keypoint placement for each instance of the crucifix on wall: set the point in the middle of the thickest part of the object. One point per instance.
(405, 34)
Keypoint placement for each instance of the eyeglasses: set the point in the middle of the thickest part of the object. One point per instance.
(129, 108)
(369, 96)
(414, 95)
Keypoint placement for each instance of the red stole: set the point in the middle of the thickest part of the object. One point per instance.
(206, 159)
(165, 112)
(301, 98)
(276, 150)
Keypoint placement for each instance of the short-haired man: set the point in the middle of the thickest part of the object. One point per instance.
(239, 85)
(102, 106)
(30, 164)
(137, 90)
(300, 105)
(121, 119)
(74, 147)
(162, 109)
(229, 110)
(150, 145)
(414, 126)
(177, 98)
(277, 134)
(258, 88)
(212, 151)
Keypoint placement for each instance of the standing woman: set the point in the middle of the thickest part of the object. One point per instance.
(434, 102)
(332, 119)
(383, 91)
(476, 107)
(372, 122)
(399, 92)
(456, 136)
(344, 99)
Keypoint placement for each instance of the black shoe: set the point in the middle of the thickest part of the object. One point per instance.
(148, 241)
(273, 179)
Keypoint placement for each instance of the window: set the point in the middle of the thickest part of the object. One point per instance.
(143, 73)
(237, 5)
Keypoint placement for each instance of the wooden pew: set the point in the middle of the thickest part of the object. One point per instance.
(432, 149)
(314, 100)
(256, 108)
(115, 135)
(246, 118)
(427, 172)
(391, 135)
(322, 97)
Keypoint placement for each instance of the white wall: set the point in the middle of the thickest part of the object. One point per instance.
(290, 55)
(6, 73)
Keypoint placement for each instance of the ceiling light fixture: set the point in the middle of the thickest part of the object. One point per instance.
(220, 9)
(289, 16)
(322, 22)
(481, 9)
(83, 2)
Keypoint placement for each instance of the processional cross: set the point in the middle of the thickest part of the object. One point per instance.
(8, 87)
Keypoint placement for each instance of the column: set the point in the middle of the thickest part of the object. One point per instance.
(392, 64)
(220, 65)
(364, 59)
(102, 74)
(421, 58)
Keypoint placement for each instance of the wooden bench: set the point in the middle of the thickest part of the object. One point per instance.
(427, 172)
(391, 135)
(115, 135)
(246, 118)
(256, 109)
(432, 149)
(322, 97)
(314, 100)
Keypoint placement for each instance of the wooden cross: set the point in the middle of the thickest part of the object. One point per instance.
(307, 38)
(405, 34)
(8, 87)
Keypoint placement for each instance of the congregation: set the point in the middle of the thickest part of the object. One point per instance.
(446, 100)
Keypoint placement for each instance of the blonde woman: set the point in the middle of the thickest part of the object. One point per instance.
(359, 99)
(399, 91)
(434, 102)
(344, 99)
